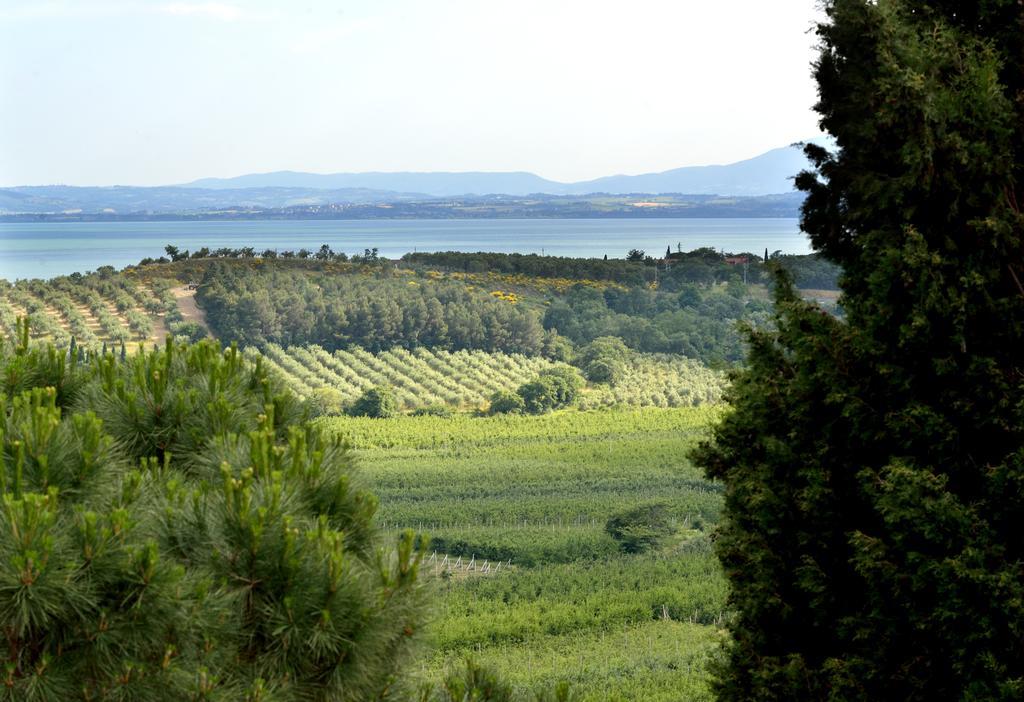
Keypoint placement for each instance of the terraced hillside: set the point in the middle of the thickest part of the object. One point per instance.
(467, 379)
(99, 308)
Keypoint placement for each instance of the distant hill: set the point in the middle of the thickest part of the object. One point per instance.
(170, 199)
(437, 184)
(770, 173)
(767, 174)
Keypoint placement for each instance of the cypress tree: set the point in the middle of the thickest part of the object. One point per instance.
(874, 464)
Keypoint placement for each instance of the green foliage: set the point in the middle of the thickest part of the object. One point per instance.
(873, 465)
(100, 308)
(505, 402)
(604, 370)
(609, 348)
(640, 528)
(378, 402)
(374, 309)
(325, 401)
(617, 271)
(556, 347)
(189, 331)
(657, 321)
(466, 379)
(603, 359)
(474, 683)
(434, 411)
(538, 490)
(736, 289)
(554, 388)
(167, 531)
(463, 379)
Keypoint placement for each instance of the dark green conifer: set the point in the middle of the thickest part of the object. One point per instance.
(873, 465)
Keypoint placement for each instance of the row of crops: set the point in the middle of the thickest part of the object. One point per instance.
(536, 491)
(420, 377)
(467, 379)
(93, 309)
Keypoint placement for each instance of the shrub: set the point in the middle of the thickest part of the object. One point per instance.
(378, 402)
(188, 331)
(640, 528)
(568, 384)
(539, 395)
(610, 348)
(478, 683)
(556, 347)
(504, 402)
(325, 402)
(434, 411)
(604, 371)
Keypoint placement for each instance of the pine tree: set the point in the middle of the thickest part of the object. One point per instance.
(873, 465)
(170, 529)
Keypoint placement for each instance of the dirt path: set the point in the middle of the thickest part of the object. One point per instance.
(189, 309)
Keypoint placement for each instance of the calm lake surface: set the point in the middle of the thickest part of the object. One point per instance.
(45, 250)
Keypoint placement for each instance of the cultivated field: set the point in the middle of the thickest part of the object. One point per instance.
(535, 492)
(100, 308)
(466, 379)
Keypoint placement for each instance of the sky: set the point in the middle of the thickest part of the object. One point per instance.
(136, 92)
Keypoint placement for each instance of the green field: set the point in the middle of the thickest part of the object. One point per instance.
(536, 491)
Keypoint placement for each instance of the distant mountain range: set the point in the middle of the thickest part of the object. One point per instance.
(768, 174)
(122, 199)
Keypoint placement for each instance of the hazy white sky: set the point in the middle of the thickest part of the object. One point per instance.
(96, 92)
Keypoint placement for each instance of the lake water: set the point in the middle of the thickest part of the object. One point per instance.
(44, 250)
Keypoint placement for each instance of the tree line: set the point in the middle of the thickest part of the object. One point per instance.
(693, 321)
(375, 312)
(378, 309)
(701, 266)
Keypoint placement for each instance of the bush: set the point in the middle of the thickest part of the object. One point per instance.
(553, 389)
(477, 683)
(568, 384)
(603, 359)
(504, 402)
(325, 402)
(641, 528)
(556, 347)
(434, 411)
(604, 370)
(608, 348)
(187, 331)
(378, 402)
(538, 395)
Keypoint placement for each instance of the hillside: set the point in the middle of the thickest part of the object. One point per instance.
(273, 194)
(765, 174)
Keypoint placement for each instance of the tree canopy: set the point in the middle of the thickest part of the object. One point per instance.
(873, 464)
(171, 529)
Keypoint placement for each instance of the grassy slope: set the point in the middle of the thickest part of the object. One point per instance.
(537, 490)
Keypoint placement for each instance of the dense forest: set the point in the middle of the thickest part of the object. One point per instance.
(380, 311)
(689, 304)
(374, 311)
